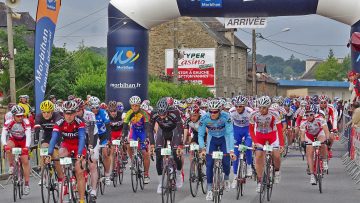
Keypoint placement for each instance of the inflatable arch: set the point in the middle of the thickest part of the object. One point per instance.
(129, 21)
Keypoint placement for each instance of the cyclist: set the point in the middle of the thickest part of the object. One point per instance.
(92, 143)
(313, 127)
(71, 130)
(9, 115)
(139, 122)
(192, 125)
(265, 126)
(169, 128)
(289, 120)
(52, 98)
(331, 118)
(24, 102)
(104, 131)
(240, 115)
(19, 131)
(220, 135)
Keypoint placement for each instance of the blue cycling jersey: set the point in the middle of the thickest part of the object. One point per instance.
(221, 127)
(102, 118)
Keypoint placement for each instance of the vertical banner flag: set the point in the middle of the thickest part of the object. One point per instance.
(46, 18)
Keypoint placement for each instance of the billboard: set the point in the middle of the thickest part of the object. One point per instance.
(46, 19)
(195, 65)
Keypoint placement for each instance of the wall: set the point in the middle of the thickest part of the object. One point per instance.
(332, 92)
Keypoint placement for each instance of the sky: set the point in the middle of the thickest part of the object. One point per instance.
(311, 30)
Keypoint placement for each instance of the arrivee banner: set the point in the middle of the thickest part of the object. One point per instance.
(195, 65)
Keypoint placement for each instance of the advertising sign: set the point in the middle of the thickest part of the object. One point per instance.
(253, 23)
(194, 65)
(211, 3)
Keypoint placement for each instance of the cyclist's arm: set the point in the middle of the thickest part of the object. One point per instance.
(82, 135)
(91, 129)
(302, 136)
(326, 130)
(252, 132)
(334, 119)
(54, 138)
(201, 133)
(37, 128)
(280, 133)
(3, 135)
(230, 134)
(185, 138)
(28, 136)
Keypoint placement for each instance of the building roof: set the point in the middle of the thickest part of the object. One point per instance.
(216, 29)
(310, 75)
(260, 67)
(305, 83)
(25, 19)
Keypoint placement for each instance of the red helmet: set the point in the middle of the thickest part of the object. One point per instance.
(80, 102)
(170, 101)
(103, 106)
(351, 73)
(194, 109)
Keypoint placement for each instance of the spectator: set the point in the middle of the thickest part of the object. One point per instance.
(24, 102)
(356, 115)
(52, 98)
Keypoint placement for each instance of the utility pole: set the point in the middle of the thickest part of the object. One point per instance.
(176, 54)
(11, 55)
(254, 63)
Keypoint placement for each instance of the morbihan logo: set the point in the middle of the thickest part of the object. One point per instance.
(125, 85)
(51, 4)
(124, 58)
(211, 3)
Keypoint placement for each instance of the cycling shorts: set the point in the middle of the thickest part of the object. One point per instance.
(311, 138)
(19, 143)
(141, 135)
(262, 138)
(72, 145)
(116, 135)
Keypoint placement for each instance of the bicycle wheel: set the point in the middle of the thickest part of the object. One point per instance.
(217, 185)
(121, 171)
(45, 184)
(240, 179)
(202, 177)
(134, 178)
(21, 182)
(194, 177)
(286, 146)
(140, 172)
(271, 176)
(172, 184)
(101, 179)
(116, 167)
(15, 182)
(319, 173)
(54, 185)
(165, 185)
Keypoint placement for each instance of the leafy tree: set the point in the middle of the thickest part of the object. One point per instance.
(288, 73)
(331, 69)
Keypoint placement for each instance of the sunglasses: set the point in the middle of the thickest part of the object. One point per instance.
(323, 102)
(46, 112)
(214, 112)
(239, 106)
(19, 116)
(309, 114)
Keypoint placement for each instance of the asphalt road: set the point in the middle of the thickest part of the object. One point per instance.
(294, 187)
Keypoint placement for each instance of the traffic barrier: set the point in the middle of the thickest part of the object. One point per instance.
(350, 136)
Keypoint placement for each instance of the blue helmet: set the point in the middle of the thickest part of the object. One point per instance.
(287, 102)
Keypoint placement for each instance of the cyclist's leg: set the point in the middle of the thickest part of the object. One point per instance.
(226, 158)
(63, 152)
(259, 156)
(57, 163)
(93, 167)
(25, 162)
(248, 142)
(237, 139)
(10, 144)
(105, 154)
(80, 176)
(211, 146)
(132, 137)
(274, 141)
(310, 152)
(145, 153)
(324, 148)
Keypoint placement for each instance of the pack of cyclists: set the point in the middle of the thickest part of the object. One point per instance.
(86, 129)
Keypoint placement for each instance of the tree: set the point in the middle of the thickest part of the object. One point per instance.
(288, 73)
(330, 70)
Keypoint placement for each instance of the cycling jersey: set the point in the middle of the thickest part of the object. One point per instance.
(19, 133)
(194, 127)
(102, 118)
(138, 122)
(8, 116)
(268, 128)
(45, 125)
(331, 117)
(91, 128)
(73, 135)
(221, 127)
(116, 125)
(240, 119)
(169, 128)
(26, 107)
(313, 128)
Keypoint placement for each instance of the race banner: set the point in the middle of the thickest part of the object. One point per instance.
(46, 19)
(194, 65)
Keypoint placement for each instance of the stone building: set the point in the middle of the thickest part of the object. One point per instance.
(230, 68)
(265, 84)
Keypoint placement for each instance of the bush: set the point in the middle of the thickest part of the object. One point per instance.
(90, 83)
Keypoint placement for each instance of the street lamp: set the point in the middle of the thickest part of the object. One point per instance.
(259, 35)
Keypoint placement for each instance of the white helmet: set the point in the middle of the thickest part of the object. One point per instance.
(240, 101)
(94, 101)
(228, 105)
(275, 105)
(134, 100)
(214, 104)
(264, 101)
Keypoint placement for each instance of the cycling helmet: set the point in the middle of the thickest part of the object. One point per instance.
(71, 97)
(146, 102)
(135, 100)
(176, 102)
(204, 104)
(194, 109)
(52, 97)
(287, 102)
(162, 106)
(264, 101)
(275, 106)
(59, 101)
(144, 106)
(240, 101)
(24, 96)
(103, 106)
(323, 98)
(170, 101)
(214, 104)
(189, 100)
(69, 106)
(303, 103)
(281, 100)
(17, 110)
(47, 106)
(94, 102)
(228, 105)
(58, 108)
(310, 108)
(275, 99)
(120, 106)
(80, 102)
(322, 113)
(10, 105)
(112, 106)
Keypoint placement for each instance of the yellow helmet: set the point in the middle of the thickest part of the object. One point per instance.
(47, 106)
